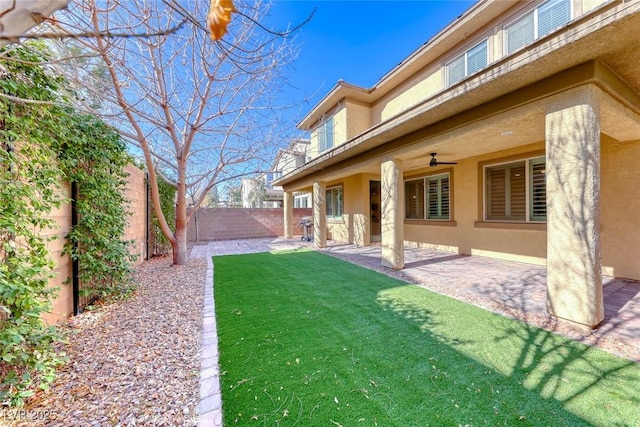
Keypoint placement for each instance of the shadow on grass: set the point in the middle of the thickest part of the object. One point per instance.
(306, 339)
(578, 375)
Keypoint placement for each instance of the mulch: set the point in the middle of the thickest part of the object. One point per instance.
(135, 362)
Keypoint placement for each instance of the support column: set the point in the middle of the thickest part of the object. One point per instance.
(320, 214)
(574, 272)
(288, 215)
(392, 213)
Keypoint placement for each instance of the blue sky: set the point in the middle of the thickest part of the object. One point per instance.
(357, 40)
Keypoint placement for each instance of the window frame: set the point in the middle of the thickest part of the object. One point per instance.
(426, 196)
(298, 201)
(529, 162)
(535, 11)
(465, 55)
(335, 212)
(324, 130)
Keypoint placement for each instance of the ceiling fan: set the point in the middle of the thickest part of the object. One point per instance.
(435, 162)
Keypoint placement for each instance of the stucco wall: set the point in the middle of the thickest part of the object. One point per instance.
(358, 118)
(422, 86)
(339, 114)
(340, 126)
(136, 194)
(467, 234)
(353, 227)
(237, 223)
(619, 207)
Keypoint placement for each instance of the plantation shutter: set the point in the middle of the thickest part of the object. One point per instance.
(338, 202)
(455, 70)
(477, 58)
(434, 212)
(538, 190)
(553, 14)
(496, 193)
(414, 199)
(438, 197)
(518, 194)
(444, 197)
(520, 33)
(328, 132)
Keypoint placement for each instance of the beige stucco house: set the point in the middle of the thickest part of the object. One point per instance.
(260, 192)
(537, 104)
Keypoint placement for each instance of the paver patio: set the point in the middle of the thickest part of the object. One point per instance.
(508, 287)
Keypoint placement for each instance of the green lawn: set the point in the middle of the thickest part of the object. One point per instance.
(309, 340)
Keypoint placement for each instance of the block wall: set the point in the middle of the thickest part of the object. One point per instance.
(136, 194)
(237, 223)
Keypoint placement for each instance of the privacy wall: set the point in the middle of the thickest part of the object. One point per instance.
(242, 223)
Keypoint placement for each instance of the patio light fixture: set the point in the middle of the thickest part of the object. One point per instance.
(435, 162)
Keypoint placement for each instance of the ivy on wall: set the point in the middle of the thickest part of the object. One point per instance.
(42, 145)
(161, 244)
(28, 179)
(94, 156)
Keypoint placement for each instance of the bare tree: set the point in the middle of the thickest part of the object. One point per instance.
(19, 16)
(200, 112)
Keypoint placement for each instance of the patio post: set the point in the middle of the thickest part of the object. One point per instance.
(288, 215)
(319, 214)
(574, 273)
(392, 213)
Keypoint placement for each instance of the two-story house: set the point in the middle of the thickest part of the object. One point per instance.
(261, 192)
(514, 133)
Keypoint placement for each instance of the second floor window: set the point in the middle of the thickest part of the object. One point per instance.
(272, 176)
(325, 135)
(537, 23)
(473, 60)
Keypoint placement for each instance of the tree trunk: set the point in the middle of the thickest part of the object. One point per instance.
(180, 255)
(179, 246)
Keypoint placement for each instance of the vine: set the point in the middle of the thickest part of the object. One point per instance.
(161, 244)
(41, 146)
(28, 179)
(94, 156)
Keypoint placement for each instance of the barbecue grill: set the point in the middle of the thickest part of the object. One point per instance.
(307, 224)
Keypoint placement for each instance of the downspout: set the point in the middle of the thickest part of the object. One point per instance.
(196, 220)
(75, 263)
(147, 215)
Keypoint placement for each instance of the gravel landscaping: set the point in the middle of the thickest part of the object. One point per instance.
(136, 362)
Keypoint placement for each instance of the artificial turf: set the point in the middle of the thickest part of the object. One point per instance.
(309, 340)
